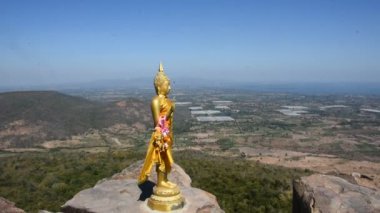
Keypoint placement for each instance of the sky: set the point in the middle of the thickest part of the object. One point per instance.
(72, 41)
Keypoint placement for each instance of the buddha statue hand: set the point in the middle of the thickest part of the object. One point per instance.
(157, 135)
(158, 144)
(161, 146)
(164, 147)
(159, 141)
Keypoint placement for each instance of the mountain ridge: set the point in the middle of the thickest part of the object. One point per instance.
(30, 117)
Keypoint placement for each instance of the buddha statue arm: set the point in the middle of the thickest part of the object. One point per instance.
(155, 107)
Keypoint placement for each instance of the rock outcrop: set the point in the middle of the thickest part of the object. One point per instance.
(7, 206)
(120, 193)
(325, 193)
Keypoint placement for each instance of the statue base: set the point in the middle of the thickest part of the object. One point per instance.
(166, 199)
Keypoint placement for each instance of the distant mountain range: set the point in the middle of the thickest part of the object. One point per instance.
(198, 83)
(316, 88)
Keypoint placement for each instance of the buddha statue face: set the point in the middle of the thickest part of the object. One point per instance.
(162, 82)
(164, 88)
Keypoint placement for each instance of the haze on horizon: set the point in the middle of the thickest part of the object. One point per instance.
(58, 42)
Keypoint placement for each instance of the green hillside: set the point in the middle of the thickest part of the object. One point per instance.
(55, 177)
(29, 118)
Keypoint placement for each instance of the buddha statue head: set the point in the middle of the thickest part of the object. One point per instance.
(162, 82)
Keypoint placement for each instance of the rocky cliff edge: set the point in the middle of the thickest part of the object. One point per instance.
(326, 193)
(120, 194)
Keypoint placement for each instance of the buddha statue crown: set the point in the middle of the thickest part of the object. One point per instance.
(160, 78)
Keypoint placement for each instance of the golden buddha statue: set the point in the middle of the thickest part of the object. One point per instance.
(166, 195)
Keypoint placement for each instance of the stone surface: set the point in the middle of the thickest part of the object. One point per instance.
(325, 193)
(7, 206)
(120, 193)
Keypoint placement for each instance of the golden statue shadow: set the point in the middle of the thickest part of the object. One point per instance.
(146, 190)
